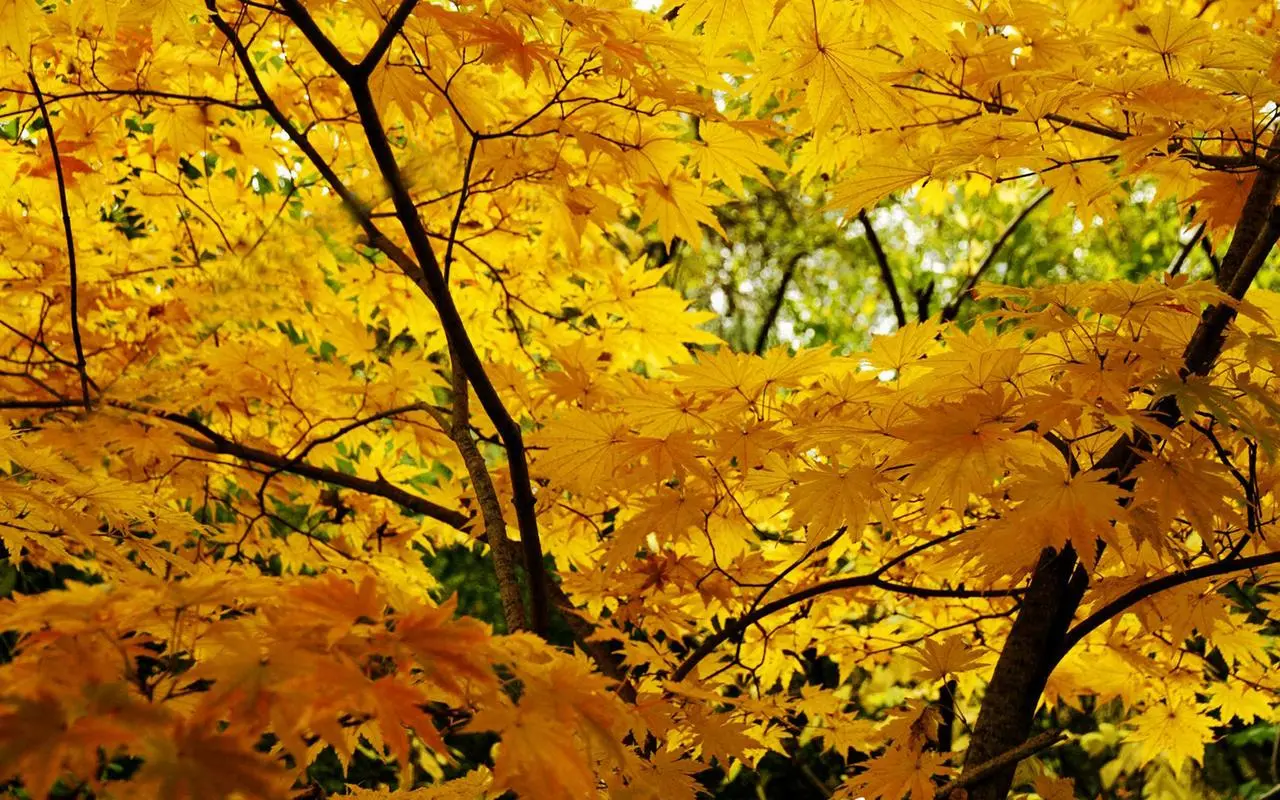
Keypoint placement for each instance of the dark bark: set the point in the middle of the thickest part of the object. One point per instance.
(1009, 706)
(886, 272)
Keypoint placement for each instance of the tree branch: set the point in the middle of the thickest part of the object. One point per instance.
(952, 309)
(1181, 260)
(775, 305)
(38, 405)
(426, 274)
(1059, 582)
(1139, 593)
(214, 442)
(886, 274)
(736, 626)
(495, 526)
(972, 775)
(394, 25)
(81, 366)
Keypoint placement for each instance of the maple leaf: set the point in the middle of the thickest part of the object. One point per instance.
(1176, 730)
(729, 153)
(472, 786)
(900, 773)
(928, 20)
(582, 448)
(959, 448)
(725, 23)
(1055, 788)
(722, 739)
(1234, 699)
(196, 764)
(830, 497)
(1089, 186)
(841, 68)
(679, 204)
(71, 167)
(503, 43)
(1067, 509)
(942, 659)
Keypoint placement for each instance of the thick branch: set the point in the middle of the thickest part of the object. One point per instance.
(1059, 581)
(426, 274)
(495, 526)
(394, 25)
(39, 405)
(1253, 217)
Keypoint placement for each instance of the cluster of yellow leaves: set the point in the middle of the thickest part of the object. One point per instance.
(189, 675)
(247, 341)
(927, 476)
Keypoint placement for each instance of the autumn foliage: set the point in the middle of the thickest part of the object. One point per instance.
(297, 295)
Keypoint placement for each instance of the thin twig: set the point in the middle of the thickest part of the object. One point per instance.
(463, 194)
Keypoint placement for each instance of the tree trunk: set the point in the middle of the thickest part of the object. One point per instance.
(1038, 635)
(1028, 657)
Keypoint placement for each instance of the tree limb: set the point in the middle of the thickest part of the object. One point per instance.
(394, 25)
(886, 274)
(775, 305)
(874, 579)
(1059, 582)
(1139, 593)
(426, 274)
(972, 775)
(81, 366)
(495, 525)
(1181, 260)
(214, 442)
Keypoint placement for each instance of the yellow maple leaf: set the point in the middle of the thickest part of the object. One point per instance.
(1176, 730)
(830, 496)
(726, 24)
(1064, 509)
(900, 772)
(942, 659)
(679, 204)
(730, 153)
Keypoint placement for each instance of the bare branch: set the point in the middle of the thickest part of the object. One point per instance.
(886, 274)
(426, 274)
(214, 442)
(952, 309)
(495, 526)
(1181, 260)
(736, 626)
(775, 306)
(972, 775)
